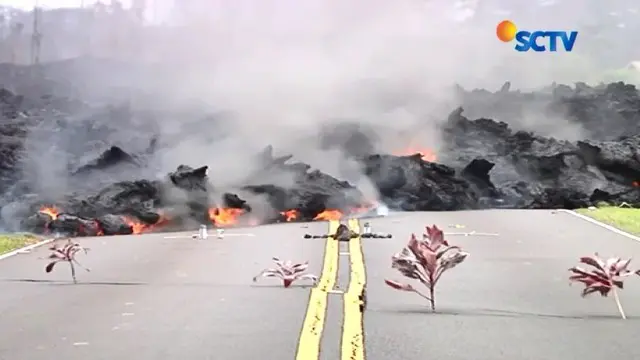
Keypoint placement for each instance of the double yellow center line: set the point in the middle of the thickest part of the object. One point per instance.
(352, 347)
(311, 335)
(353, 328)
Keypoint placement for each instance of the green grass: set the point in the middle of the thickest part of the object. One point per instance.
(623, 218)
(9, 242)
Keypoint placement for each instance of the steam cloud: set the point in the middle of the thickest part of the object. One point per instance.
(279, 71)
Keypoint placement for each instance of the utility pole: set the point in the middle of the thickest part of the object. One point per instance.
(36, 36)
(86, 28)
(3, 40)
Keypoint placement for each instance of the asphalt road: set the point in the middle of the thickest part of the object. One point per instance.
(152, 297)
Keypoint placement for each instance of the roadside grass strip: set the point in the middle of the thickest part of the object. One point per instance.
(625, 219)
(11, 242)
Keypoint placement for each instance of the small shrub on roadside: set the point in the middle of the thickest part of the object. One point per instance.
(66, 253)
(603, 277)
(426, 261)
(288, 272)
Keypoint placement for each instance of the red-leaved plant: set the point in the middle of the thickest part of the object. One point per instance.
(604, 276)
(66, 253)
(288, 272)
(426, 261)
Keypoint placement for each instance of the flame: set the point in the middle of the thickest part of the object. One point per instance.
(139, 227)
(52, 211)
(221, 217)
(224, 216)
(635, 184)
(426, 153)
(329, 215)
(136, 226)
(290, 215)
(100, 231)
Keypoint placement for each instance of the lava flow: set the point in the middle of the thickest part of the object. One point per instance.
(224, 217)
(333, 214)
(329, 215)
(290, 215)
(220, 217)
(426, 153)
(52, 211)
(138, 227)
(227, 217)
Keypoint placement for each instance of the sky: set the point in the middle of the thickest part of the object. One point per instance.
(27, 4)
(158, 9)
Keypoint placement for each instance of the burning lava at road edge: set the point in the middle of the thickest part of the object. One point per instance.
(57, 220)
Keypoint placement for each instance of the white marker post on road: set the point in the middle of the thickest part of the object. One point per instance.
(203, 232)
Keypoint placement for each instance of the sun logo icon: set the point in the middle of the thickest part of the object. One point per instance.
(506, 30)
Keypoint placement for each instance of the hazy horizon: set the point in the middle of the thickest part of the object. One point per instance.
(285, 70)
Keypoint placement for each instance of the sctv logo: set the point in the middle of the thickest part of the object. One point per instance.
(536, 40)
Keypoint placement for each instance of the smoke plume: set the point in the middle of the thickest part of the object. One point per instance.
(279, 72)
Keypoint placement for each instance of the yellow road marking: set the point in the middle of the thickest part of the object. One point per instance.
(352, 329)
(311, 334)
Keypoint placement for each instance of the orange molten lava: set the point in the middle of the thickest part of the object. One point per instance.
(290, 215)
(53, 212)
(328, 215)
(427, 154)
(138, 227)
(224, 216)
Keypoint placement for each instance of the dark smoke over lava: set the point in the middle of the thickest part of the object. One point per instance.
(479, 164)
